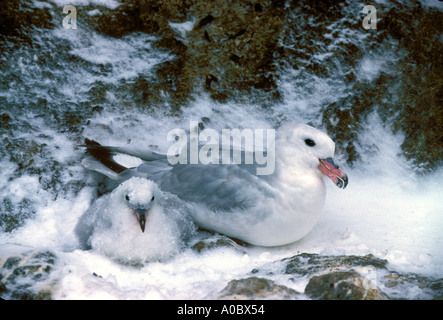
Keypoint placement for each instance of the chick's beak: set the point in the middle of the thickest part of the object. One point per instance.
(141, 214)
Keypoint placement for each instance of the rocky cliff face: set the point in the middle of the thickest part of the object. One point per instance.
(244, 51)
(222, 47)
(241, 50)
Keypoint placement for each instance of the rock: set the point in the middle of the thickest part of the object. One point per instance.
(415, 80)
(218, 241)
(27, 276)
(335, 277)
(341, 285)
(427, 287)
(234, 42)
(116, 23)
(14, 215)
(356, 277)
(256, 288)
(309, 263)
(18, 17)
(208, 19)
(4, 121)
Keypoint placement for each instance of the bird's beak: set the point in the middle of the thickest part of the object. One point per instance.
(330, 169)
(141, 214)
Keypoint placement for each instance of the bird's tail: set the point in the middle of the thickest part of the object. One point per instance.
(104, 155)
(114, 162)
(101, 160)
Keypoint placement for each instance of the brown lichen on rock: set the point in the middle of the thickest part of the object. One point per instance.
(235, 42)
(256, 288)
(341, 285)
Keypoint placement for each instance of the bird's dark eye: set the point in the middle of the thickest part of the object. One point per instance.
(310, 142)
(152, 199)
(127, 197)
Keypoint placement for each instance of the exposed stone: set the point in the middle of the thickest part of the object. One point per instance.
(14, 215)
(415, 109)
(357, 277)
(256, 288)
(27, 276)
(4, 121)
(341, 285)
(233, 41)
(17, 17)
(216, 242)
(396, 282)
(309, 264)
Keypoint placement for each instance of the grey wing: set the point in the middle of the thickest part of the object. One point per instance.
(219, 187)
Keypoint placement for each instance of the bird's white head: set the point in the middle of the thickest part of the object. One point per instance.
(140, 195)
(310, 149)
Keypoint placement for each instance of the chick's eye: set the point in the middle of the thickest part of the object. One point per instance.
(127, 197)
(152, 199)
(310, 142)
